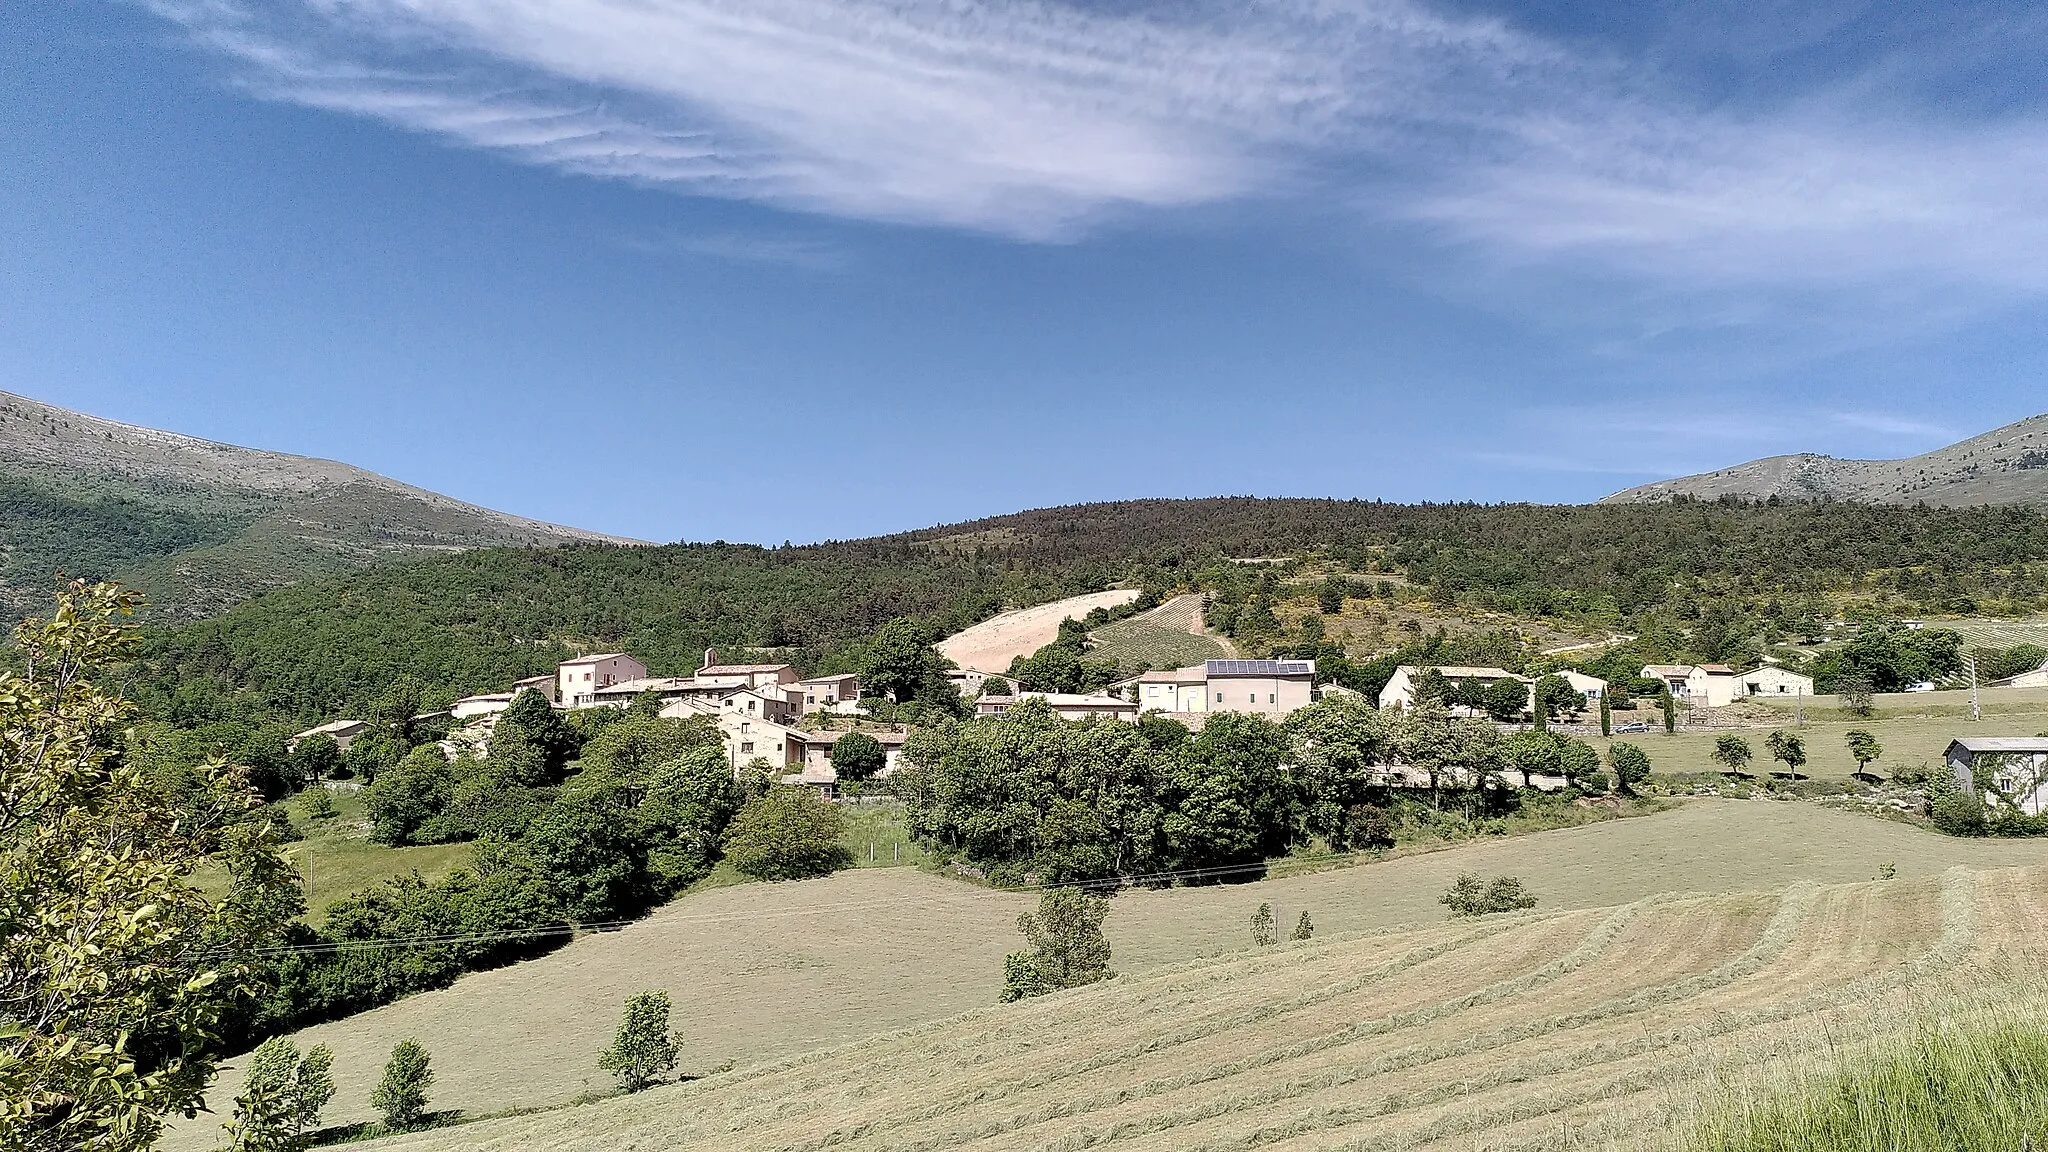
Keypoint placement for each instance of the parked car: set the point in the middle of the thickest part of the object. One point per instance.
(1638, 726)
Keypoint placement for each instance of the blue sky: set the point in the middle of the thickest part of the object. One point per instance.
(804, 269)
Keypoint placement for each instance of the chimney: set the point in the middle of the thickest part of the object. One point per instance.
(710, 657)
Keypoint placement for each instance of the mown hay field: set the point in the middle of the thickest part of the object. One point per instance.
(762, 973)
(1579, 1028)
(1911, 741)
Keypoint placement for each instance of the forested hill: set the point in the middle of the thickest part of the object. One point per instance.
(477, 620)
(201, 525)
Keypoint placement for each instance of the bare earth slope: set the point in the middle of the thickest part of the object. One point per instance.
(2007, 465)
(201, 525)
(990, 645)
(764, 972)
(1550, 1029)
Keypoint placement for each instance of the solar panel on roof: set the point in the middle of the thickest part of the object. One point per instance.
(1256, 667)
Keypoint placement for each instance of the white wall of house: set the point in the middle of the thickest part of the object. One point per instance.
(579, 680)
(1771, 680)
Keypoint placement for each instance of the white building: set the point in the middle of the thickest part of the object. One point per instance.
(2038, 678)
(342, 732)
(579, 680)
(1590, 688)
(839, 693)
(1697, 685)
(2015, 770)
(1265, 687)
(482, 704)
(1068, 705)
(1772, 680)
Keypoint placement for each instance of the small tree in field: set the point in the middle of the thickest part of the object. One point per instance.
(1732, 752)
(1067, 945)
(644, 1047)
(1670, 705)
(1788, 749)
(1631, 766)
(1304, 928)
(1865, 748)
(788, 834)
(1606, 716)
(402, 1095)
(1264, 931)
(1579, 763)
(1471, 896)
(279, 1108)
(1854, 693)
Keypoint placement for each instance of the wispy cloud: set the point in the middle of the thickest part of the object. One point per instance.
(747, 248)
(1890, 425)
(1035, 118)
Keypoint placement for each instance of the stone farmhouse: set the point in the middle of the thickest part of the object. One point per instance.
(1400, 688)
(1718, 685)
(2012, 770)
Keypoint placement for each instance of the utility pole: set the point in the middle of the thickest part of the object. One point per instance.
(1976, 705)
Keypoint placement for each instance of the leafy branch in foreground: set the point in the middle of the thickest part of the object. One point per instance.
(114, 967)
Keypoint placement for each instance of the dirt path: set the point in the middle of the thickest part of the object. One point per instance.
(990, 645)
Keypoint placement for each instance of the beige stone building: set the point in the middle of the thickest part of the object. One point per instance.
(1068, 705)
(1264, 687)
(579, 680)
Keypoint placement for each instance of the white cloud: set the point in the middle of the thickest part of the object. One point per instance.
(1890, 425)
(1034, 118)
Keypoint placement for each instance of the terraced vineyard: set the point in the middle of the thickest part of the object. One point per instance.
(1168, 636)
(1587, 1028)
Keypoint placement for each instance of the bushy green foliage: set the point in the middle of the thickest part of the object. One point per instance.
(788, 834)
(857, 756)
(644, 1048)
(1265, 932)
(1630, 763)
(1864, 747)
(1063, 665)
(1972, 1085)
(1068, 948)
(1887, 659)
(1304, 928)
(114, 968)
(1732, 752)
(282, 1095)
(405, 798)
(1472, 896)
(401, 1096)
(1787, 748)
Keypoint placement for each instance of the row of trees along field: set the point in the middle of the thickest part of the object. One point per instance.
(1031, 798)
(1695, 580)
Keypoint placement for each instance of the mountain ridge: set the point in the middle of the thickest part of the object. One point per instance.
(200, 525)
(2007, 465)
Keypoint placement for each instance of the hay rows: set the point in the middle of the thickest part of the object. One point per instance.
(1519, 1033)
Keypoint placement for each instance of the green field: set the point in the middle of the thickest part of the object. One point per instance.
(1914, 729)
(764, 972)
(336, 855)
(1591, 1028)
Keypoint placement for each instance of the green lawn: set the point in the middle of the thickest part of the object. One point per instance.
(1910, 740)
(338, 857)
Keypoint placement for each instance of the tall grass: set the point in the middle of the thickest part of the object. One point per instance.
(1971, 1085)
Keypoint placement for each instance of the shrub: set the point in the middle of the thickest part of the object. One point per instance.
(644, 1047)
(402, 1095)
(856, 756)
(1068, 948)
(1304, 928)
(1631, 766)
(1368, 826)
(788, 834)
(1264, 931)
(279, 1107)
(1955, 811)
(1471, 896)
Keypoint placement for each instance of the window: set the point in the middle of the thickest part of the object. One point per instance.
(1219, 697)
(1253, 698)
(1272, 697)
(746, 727)
(747, 746)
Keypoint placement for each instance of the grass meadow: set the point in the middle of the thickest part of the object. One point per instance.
(1560, 1028)
(763, 973)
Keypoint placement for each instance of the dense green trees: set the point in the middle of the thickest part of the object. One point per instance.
(1063, 665)
(282, 1095)
(1887, 659)
(115, 967)
(857, 756)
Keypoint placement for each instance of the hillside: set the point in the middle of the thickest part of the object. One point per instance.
(1685, 573)
(2006, 465)
(1553, 1029)
(765, 972)
(201, 526)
